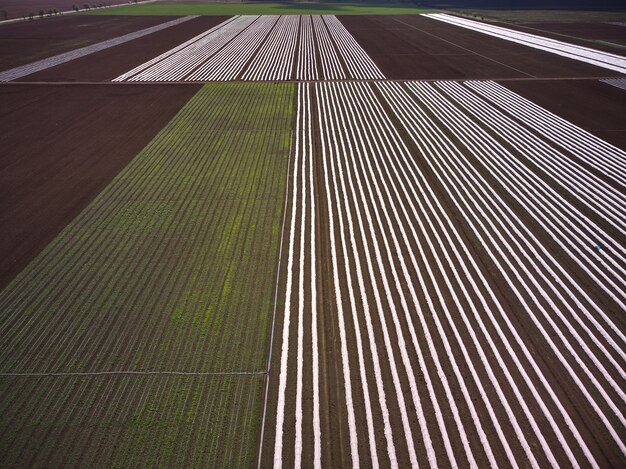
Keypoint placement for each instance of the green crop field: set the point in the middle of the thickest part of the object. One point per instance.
(169, 272)
(261, 9)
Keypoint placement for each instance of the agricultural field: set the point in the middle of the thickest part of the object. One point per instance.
(255, 48)
(295, 236)
(464, 315)
(56, 162)
(165, 281)
(27, 42)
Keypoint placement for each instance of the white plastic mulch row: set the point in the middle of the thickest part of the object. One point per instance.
(413, 289)
(275, 60)
(181, 60)
(617, 82)
(263, 48)
(24, 70)
(584, 54)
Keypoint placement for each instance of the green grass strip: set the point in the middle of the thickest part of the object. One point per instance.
(156, 9)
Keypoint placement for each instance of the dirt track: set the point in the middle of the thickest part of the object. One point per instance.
(110, 63)
(416, 47)
(27, 42)
(57, 159)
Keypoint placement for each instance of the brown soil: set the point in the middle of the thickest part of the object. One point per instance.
(417, 47)
(335, 451)
(21, 8)
(595, 106)
(593, 35)
(602, 31)
(111, 63)
(61, 146)
(23, 43)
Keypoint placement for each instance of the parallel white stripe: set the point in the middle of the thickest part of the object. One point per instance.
(603, 156)
(564, 221)
(590, 190)
(228, 62)
(337, 175)
(571, 51)
(170, 52)
(442, 300)
(459, 122)
(339, 304)
(405, 307)
(184, 61)
(416, 125)
(317, 438)
(280, 410)
(465, 98)
(342, 125)
(360, 65)
(331, 66)
(300, 356)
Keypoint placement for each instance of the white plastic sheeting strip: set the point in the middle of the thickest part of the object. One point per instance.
(24, 70)
(571, 51)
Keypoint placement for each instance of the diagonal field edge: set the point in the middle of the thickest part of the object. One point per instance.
(571, 51)
(49, 62)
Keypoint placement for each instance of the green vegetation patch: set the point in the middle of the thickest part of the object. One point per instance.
(121, 421)
(225, 9)
(173, 265)
(171, 268)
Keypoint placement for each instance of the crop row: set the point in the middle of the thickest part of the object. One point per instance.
(128, 420)
(564, 49)
(171, 268)
(476, 278)
(261, 48)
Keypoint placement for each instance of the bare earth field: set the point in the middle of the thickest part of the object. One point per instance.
(592, 105)
(603, 31)
(30, 41)
(56, 160)
(110, 63)
(601, 36)
(416, 47)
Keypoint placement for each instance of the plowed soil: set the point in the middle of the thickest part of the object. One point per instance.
(594, 35)
(601, 31)
(61, 146)
(417, 47)
(110, 63)
(595, 106)
(23, 43)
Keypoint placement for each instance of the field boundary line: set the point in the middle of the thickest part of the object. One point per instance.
(464, 48)
(129, 372)
(271, 346)
(49, 62)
